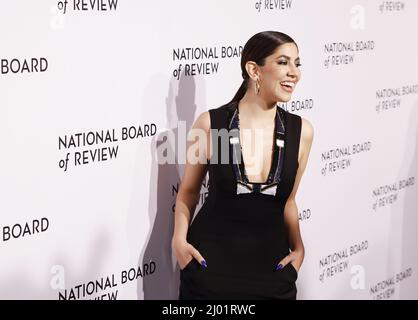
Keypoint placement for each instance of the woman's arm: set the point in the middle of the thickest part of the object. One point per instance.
(189, 191)
(291, 210)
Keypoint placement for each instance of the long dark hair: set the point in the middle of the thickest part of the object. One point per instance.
(257, 48)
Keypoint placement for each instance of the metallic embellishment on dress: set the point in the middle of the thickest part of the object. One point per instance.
(270, 187)
(233, 140)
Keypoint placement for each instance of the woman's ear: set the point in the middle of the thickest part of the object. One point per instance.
(252, 70)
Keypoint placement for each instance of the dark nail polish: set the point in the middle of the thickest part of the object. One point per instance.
(204, 263)
(279, 266)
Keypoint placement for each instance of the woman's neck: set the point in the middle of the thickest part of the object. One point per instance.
(256, 108)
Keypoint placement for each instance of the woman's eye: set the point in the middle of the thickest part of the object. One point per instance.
(285, 62)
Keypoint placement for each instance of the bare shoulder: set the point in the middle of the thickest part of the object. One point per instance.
(307, 131)
(203, 121)
(201, 132)
(307, 134)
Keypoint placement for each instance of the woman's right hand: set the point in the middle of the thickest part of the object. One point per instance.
(185, 252)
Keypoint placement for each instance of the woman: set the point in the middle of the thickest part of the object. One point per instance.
(245, 241)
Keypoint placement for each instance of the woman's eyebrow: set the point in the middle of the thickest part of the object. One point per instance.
(287, 57)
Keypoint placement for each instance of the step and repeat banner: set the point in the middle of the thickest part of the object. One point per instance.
(90, 89)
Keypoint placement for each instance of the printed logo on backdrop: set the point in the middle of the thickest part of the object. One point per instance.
(342, 53)
(19, 66)
(95, 147)
(304, 214)
(272, 5)
(387, 194)
(340, 158)
(391, 98)
(297, 105)
(104, 288)
(68, 6)
(337, 262)
(391, 6)
(25, 230)
(386, 288)
(193, 61)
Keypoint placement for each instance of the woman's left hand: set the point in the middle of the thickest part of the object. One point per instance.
(295, 258)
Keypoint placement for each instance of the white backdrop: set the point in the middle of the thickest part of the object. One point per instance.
(88, 229)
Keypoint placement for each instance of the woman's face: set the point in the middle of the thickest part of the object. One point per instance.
(280, 73)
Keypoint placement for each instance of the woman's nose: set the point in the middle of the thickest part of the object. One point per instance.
(293, 72)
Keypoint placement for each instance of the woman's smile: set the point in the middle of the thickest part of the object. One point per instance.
(288, 86)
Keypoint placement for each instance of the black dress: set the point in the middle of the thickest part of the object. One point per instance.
(240, 228)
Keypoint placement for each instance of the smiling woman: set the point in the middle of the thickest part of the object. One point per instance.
(245, 241)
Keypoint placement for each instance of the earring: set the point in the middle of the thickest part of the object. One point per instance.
(257, 86)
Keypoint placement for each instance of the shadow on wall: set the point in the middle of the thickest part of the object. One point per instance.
(409, 214)
(24, 285)
(164, 282)
(403, 220)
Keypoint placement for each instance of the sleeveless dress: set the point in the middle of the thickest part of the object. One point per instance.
(240, 229)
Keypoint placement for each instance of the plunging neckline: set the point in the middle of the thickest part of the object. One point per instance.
(273, 149)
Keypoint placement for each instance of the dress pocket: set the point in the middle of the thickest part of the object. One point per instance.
(196, 245)
(293, 269)
(187, 266)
